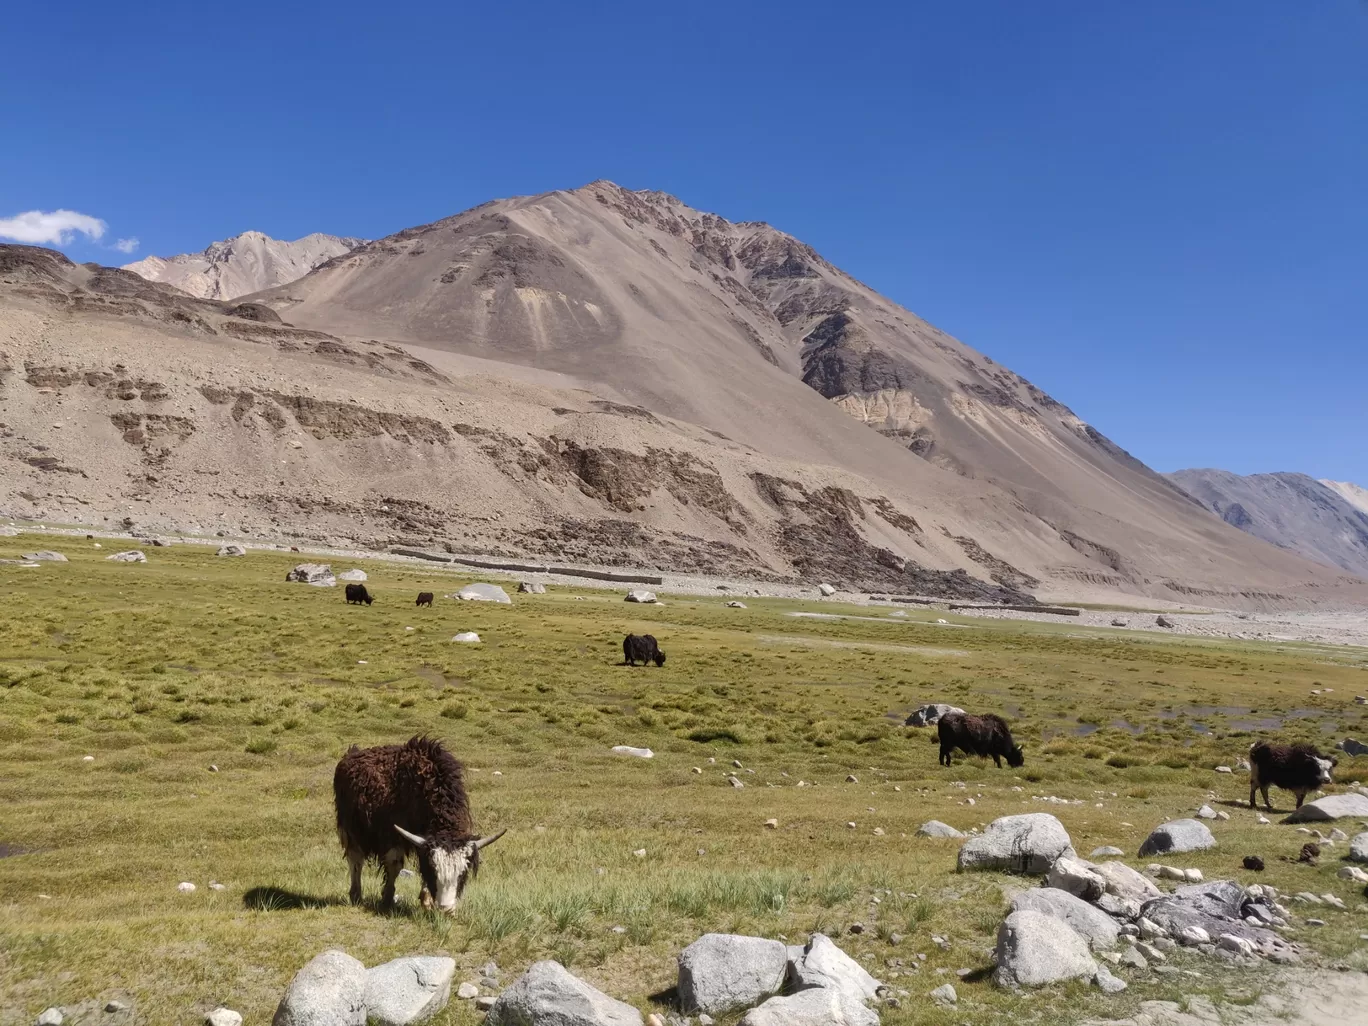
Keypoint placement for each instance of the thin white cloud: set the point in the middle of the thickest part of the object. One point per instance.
(127, 245)
(55, 227)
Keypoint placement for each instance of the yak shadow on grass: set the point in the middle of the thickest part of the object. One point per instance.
(279, 899)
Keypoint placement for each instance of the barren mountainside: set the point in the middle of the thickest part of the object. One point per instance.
(245, 263)
(1355, 495)
(594, 376)
(1293, 511)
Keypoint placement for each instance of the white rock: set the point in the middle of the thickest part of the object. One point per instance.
(1192, 875)
(735, 781)
(1230, 942)
(823, 964)
(223, 1017)
(466, 638)
(1034, 949)
(1106, 852)
(1191, 936)
(50, 1017)
(1223, 769)
(826, 590)
(944, 995)
(329, 991)
(185, 887)
(1076, 877)
(131, 556)
(231, 550)
(640, 853)
(1332, 806)
(1206, 812)
(1180, 835)
(45, 556)
(1358, 847)
(818, 1006)
(641, 595)
(480, 592)
(637, 753)
(549, 995)
(408, 990)
(935, 828)
(87, 758)
(1028, 843)
(468, 991)
(353, 575)
(736, 605)
(1171, 873)
(1125, 882)
(719, 973)
(929, 715)
(1093, 925)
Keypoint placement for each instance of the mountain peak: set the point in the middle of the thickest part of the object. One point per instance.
(243, 264)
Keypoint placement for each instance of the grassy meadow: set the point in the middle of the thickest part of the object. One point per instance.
(160, 670)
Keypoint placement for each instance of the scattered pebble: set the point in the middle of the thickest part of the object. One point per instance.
(185, 887)
(773, 824)
(640, 853)
(467, 992)
(944, 995)
(214, 885)
(50, 1017)
(213, 768)
(116, 1006)
(88, 758)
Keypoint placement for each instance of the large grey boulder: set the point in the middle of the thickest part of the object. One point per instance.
(131, 556)
(1332, 806)
(1028, 843)
(1358, 847)
(1178, 836)
(826, 590)
(935, 828)
(231, 550)
(1093, 925)
(1035, 949)
(1218, 907)
(823, 964)
(45, 556)
(929, 715)
(408, 990)
(483, 593)
(1125, 883)
(549, 995)
(320, 575)
(1077, 877)
(818, 1006)
(329, 991)
(640, 595)
(720, 972)
(532, 588)
(353, 575)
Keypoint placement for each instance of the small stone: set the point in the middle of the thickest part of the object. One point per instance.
(944, 995)
(640, 853)
(1263, 820)
(1150, 952)
(697, 769)
(50, 1017)
(735, 782)
(1106, 851)
(214, 885)
(486, 1002)
(223, 1017)
(1192, 875)
(878, 831)
(1107, 983)
(851, 824)
(1192, 936)
(468, 992)
(857, 928)
(213, 768)
(1315, 922)
(1206, 812)
(119, 1006)
(773, 824)
(1222, 815)
(88, 758)
(185, 887)
(1132, 958)
(736, 763)
(852, 779)
(1223, 769)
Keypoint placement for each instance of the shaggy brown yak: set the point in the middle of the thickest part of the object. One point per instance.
(394, 801)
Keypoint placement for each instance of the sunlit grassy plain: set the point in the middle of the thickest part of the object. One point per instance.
(161, 669)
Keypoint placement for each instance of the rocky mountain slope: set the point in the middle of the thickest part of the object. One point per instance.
(747, 331)
(1355, 495)
(243, 264)
(599, 376)
(1292, 511)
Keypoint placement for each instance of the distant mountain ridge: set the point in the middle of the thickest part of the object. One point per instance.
(1323, 520)
(244, 264)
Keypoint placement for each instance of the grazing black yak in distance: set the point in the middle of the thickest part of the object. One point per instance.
(394, 801)
(641, 648)
(424, 599)
(357, 593)
(985, 736)
(1299, 768)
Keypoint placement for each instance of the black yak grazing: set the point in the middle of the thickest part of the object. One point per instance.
(984, 736)
(357, 593)
(394, 801)
(1298, 768)
(424, 599)
(643, 649)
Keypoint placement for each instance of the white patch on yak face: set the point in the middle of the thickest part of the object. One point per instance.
(1325, 767)
(450, 869)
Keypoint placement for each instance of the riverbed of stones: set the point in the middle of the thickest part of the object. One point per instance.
(1087, 917)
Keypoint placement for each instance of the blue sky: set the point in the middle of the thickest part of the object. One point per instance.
(1156, 211)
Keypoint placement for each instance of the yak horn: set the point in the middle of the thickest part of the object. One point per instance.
(490, 839)
(413, 839)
